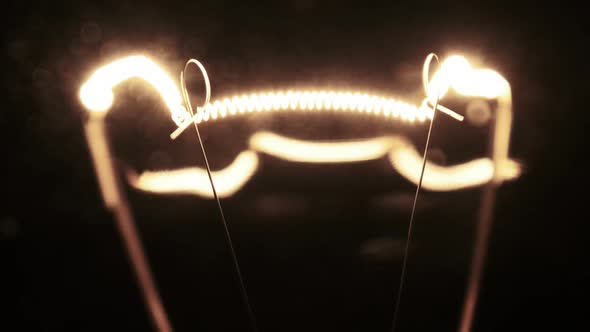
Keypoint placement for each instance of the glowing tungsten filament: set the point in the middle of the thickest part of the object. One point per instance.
(407, 161)
(403, 157)
(97, 95)
(455, 73)
(313, 100)
(320, 152)
(309, 101)
(194, 180)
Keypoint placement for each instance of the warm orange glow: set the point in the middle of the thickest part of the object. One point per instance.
(312, 101)
(455, 73)
(408, 162)
(402, 155)
(97, 93)
(320, 152)
(194, 180)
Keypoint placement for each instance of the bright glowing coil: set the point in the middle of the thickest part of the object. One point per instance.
(312, 100)
(456, 73)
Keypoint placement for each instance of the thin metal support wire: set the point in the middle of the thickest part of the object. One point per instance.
(243, 291)
(405, 261)
(116, 202)
(479, 255)
(142, 269)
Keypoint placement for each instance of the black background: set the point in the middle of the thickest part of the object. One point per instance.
(303, 233)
